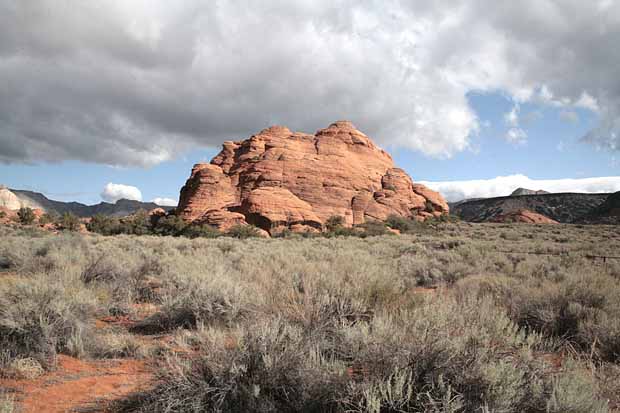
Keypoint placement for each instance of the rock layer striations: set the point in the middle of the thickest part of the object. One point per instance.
(283, 179)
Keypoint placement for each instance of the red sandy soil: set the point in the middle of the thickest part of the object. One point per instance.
(80, 385)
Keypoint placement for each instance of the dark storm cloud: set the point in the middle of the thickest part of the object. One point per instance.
(138, 82)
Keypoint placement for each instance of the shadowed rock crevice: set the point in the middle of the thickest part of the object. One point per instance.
(283, 179)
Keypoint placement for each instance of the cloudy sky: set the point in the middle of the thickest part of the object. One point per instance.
(100, 100)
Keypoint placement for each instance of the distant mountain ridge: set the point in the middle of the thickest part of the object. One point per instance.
(16, 198)
(561, 207)
(606, 213)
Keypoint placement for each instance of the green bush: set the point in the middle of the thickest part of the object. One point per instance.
(170, 226)
(26, 215)
(340, 231)
(104, 225)
(201, 231)
(48, 218)
(334, 222)
(373, 229)
(243, 231)
(400, 223)
(137, 224)
(69, 222)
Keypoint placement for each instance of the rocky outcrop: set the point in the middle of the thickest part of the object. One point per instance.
(7, 215)
(524, 216)
(11, 201)
(283, 179)
(525, 191)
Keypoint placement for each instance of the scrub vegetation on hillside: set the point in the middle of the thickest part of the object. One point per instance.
(453, 317)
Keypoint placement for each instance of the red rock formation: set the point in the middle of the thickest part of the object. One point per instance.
(280, 178)
(524, 216)
(7, 215)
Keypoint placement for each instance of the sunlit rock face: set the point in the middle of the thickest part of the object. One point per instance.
(278, 178)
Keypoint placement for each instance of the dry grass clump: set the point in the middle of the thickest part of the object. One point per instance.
(7, 403)
(577, 304)
(191, 306)
(39, 318)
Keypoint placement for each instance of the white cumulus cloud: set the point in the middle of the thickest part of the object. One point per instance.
(505, 185)
(165, 201)
(113, 192)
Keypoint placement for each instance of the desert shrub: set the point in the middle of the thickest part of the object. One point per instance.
(340, 231)
(274, 373)
(2, 214)
(25, 253)
(22, 368)
(171, 226)
(39, 319)
(509, 236)
(411, 226)
(400, 223)
(125, 278)
(101, 269)
(283, 232)
(446, 218)
(201, 231)
(137, 224)
(104, 225)
(429, 271)
(118, 345)
(334, 222)
(7, 403)
(417, 360)
(69, 222)
(26, 216)
(175, 226)
(189, 310)
(373, 229)
(243, 231)
(367, 229)
(48, 218)
(581, 310)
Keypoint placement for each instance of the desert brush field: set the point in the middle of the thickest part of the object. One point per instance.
(453, 317)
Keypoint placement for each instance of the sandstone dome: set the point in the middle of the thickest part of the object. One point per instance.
(278, 178)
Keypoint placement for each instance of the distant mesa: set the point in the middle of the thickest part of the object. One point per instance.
(568, 208)
(282, 179)
(525, 191)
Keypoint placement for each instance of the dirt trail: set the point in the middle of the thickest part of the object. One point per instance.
(78, 385)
